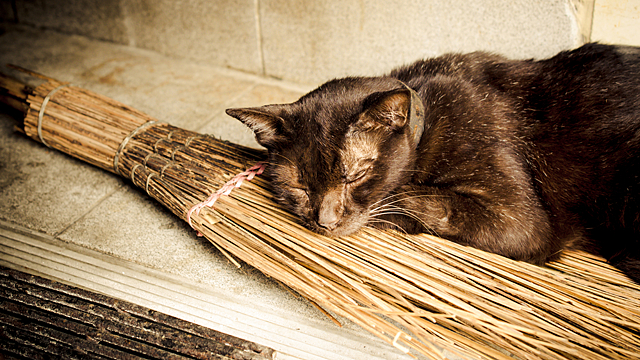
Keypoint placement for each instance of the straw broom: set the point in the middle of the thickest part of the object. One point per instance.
(420, 293)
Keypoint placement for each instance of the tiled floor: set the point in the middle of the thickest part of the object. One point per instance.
(76, 207)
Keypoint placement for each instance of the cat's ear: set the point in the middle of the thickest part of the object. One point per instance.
(270, 129)
(390, 109)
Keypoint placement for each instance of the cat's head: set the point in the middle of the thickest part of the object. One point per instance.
(338, 151)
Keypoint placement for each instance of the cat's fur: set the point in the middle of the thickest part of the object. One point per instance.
(520, 158)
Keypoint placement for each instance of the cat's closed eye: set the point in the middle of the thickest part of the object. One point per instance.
(355, 177)
(359, 171)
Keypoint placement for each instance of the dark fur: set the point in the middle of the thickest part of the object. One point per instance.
(519, 158)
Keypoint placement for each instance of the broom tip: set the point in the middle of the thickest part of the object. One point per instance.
(29, 72)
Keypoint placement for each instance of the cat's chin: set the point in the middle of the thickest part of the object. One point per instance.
(336, 233)
(339, 232)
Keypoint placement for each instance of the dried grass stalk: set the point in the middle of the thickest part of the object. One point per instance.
(420, 293)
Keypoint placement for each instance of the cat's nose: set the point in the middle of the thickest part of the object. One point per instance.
(330, 210)
(328, 219)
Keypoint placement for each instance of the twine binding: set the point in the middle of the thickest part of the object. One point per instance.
(155, 153)
(236, 182)
(124, 142)
(41, 113)
(185, 146)
(155, 145)
(133, 172)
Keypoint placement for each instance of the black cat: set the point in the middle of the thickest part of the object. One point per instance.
(522, 158)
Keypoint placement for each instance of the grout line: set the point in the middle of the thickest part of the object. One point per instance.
(93, 207)
(14, 8)
(127, 22)
(259, 38)
(591, 14)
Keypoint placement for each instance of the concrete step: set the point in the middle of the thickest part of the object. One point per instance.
(243, 316)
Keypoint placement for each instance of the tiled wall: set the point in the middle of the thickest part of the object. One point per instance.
(309, 41)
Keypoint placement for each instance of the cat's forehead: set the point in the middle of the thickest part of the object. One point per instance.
(358, 146)
(328, 162)
(324, 138)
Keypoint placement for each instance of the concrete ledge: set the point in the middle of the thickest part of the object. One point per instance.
(292, 336)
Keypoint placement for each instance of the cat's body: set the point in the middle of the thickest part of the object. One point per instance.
(519, 158)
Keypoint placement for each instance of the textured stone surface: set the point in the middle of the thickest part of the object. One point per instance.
(312, 41)
(316, 40)
(616, 22)
(43, 189)
(222, 33)
(96, 19)
(184, 93)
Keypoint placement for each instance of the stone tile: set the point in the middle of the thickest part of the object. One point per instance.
(180, 92)
(132, 226)
(129, 222)
(96, 19)
(47, 51)
(176, 91)
(264, 94)
(43, 189)
(314, 41)
(616, 22)
(222, 33)
(228, 128)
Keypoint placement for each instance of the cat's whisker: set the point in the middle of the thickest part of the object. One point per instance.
(426, 228)
(397, 208)
(388, 208)
(385, 207)
(286, 158)
(393, 196)
(391, 224)
(404, 212)
(398, 200)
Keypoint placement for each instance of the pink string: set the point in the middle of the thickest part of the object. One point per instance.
(236, 182)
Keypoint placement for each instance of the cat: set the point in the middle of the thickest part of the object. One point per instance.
(523, 158)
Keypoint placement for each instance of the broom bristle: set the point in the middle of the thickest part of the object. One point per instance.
(420, 293)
